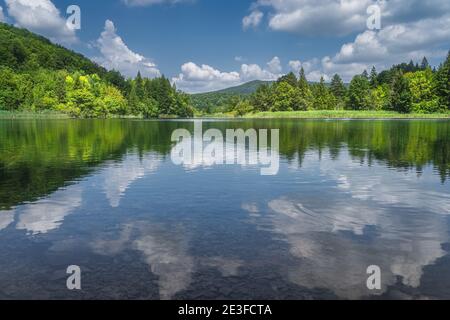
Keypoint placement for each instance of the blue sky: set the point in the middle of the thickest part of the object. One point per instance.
(203, 45)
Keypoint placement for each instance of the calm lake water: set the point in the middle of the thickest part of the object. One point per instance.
(105, 195)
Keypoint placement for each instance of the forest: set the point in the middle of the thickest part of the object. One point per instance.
(405, 88)
(37, 75)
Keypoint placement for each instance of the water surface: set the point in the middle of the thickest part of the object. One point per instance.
(105, 195)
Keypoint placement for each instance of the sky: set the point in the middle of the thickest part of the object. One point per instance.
(205, 45)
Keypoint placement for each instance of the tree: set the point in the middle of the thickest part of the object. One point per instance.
(442, 84)
(401, 99)
(424, 98)
(339, 91)
(113, 101)
(373, 77)
(302, 81)
(323, 100)
(140, 91)
(262, 98)
(424, 65)
(304, 93)
(11, 97)
(337, 87)
(358, 93)
(380, 98)
(133, 100)
(116, 79)
(286, 97)
(365, 74)
(149, 109)
(289, 78)
(243, 107)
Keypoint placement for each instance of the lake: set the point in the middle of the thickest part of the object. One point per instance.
(106, 196)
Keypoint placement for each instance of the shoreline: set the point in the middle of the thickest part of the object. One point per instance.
(300, 115)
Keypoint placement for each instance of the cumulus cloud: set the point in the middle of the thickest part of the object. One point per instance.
(251, 72)
(41, 16)
(195, 78)
(252, 20)
(274, 65)
(341, 17)
(295, 65)
(116, 55)
(144, 3)
(394, 40)
(312, 17)
(393, 44)
(409, 34)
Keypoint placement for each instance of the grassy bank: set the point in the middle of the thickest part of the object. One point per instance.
(317, 114)
(346, 114)
(32, 115)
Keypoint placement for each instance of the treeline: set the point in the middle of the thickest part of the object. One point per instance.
(405, 88)
(37, 75)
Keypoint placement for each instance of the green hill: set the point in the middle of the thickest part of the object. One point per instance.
(37, 75)
(22, 50)
(243, 89)
(214, 99)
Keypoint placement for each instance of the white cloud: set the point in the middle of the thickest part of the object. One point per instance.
(312, 17)
(194, 78)
(41, 16)
(341, 17)
(251, 72)
(400, 39)
(2, 16)
(144, 3)
(274, 65)
(253, 20)
(295, 65)
(116, 55)
(393, 44)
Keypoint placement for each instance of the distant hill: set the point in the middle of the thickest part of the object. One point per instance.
(220, 97)
(243, 89)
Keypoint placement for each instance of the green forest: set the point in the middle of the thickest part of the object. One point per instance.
(37, 75)
(405, 88)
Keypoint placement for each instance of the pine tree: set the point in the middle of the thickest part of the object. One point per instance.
(337, 87)
(323, 100)
(133, 100)
(442, 83)
(401, 98)
(305, 95)
(140, 86)
(411, 67)
(373, 77)
(424, 65)
(358, 93)
(289, 78)
(303, 82)
(365, 74)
